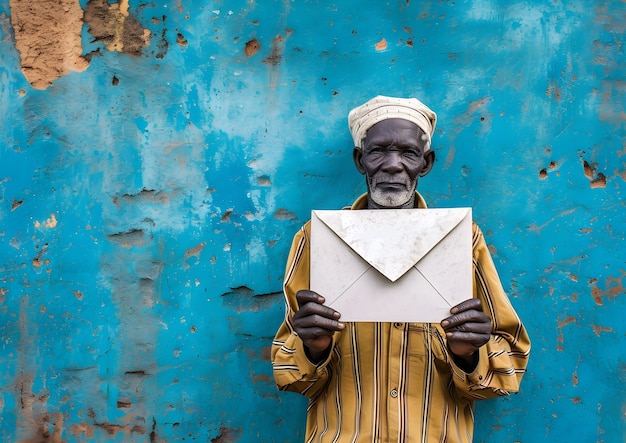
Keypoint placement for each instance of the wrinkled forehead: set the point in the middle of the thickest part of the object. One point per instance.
(395, 130)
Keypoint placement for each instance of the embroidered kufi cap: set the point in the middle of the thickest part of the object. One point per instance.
(380, 108)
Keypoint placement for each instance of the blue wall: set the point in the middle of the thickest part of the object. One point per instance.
(148, 198)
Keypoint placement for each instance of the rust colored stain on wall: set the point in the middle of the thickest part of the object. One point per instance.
(48, 37)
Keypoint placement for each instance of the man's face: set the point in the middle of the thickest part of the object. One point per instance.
(392, 160)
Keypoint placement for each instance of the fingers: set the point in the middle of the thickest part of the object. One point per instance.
(472, 320)
(468, 328)
(472, 303)
(314, 322)
(310, 303)
(303, 296)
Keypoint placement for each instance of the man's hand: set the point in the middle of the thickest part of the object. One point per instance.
(315, 324)
(467, 329)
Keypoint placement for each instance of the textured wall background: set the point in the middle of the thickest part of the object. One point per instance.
(157, 157)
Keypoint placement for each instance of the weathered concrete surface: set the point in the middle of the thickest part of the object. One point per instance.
(157, 158)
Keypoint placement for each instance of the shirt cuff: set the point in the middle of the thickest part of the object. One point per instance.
(479, 373)
(307, 368)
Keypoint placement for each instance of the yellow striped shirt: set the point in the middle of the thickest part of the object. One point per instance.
(388, 382)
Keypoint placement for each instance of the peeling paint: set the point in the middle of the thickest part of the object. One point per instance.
(48, 37)
(116, 27)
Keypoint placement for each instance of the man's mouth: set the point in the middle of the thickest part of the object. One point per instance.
(392, 184)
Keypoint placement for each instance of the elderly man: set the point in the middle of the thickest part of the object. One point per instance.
(404, 382)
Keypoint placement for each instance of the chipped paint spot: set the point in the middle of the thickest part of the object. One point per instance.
(381, 45)
(79, 295)
(596, 181)
(560, 325)
(614, 287)
(180, 40)
(16, 204)
(264, 180)
(283, 214)
(226, 216)
(48, 223)
(599, 182)
(599, 329)
(195, 251)
(227, 435)
(128, 239)
(243, 299)
(252, 47)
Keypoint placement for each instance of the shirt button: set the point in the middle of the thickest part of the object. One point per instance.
(394, 393)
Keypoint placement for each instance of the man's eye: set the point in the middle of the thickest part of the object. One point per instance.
(411, 154)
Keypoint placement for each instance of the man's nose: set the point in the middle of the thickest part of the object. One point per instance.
(392, 162)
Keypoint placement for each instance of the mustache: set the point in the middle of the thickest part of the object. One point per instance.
(383, 177)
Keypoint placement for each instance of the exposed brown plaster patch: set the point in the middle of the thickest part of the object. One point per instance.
(252, 47)
(37, 262)
(48, 37)
(614, 287)
(48, 223)
(112, 428)
(599, 329)
(16, 204)
(283, 214)
(227, 435)
(226, 216)
(195, 251)
(143, 196)
(82, 430)
(597, 181)
(180, 40)
(560, 325)
(264, 180)
(243, 299)
(116, 27)
(381, 45)
(43, 435)
(79, 295)
(128, 239)
(588, 170)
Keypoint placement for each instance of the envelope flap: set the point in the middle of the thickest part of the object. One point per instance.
(382, 239)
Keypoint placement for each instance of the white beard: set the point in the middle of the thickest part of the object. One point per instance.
(387, 199)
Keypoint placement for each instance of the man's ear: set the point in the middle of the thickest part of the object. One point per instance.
(357, 156)
(429, 161)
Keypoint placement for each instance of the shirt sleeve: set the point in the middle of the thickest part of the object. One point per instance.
(502, 360)
(293, 371)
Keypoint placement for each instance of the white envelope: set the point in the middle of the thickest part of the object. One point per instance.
(392, 265)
